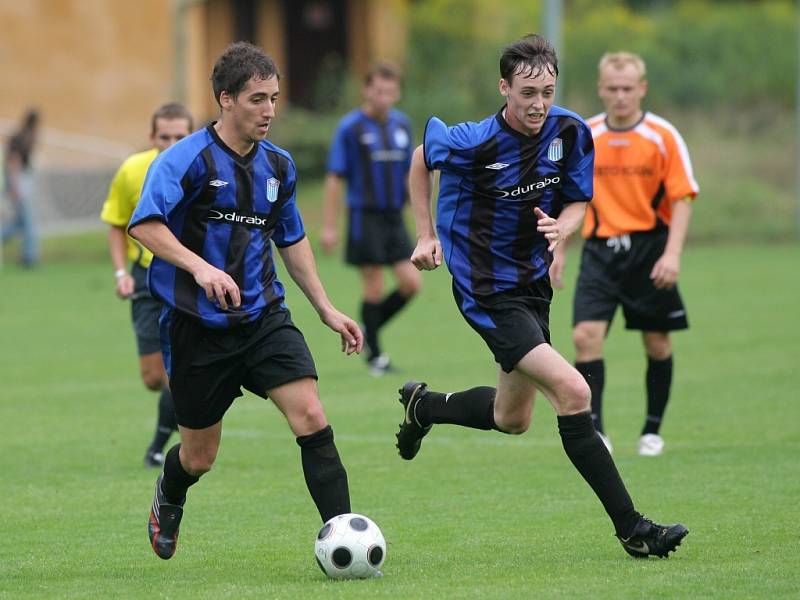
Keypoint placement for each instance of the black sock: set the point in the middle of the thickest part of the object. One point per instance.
(325, 475)
(176, 480)
(166, 421)
(371, 317)
(590, 456)
(470, 408)
(594, 372)
(659, 381)
(391, 305)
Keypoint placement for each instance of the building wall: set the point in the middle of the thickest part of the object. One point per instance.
(93, 67)
(99, 68)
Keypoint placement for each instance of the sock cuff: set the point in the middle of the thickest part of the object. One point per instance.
(577, 425)
(590, 366)
(657, 362)
(172, 463)
(320, 438)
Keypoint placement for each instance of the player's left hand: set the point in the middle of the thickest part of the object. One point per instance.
(665, 271)
(350, 332)
(549, 227)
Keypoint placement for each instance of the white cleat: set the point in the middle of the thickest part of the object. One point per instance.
(651, 444)
(607, 442)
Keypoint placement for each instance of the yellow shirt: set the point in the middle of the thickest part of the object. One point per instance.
(124, 194)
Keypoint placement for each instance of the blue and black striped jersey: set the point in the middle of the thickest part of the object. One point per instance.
(227, 209)
(492, 177)
(374, 158)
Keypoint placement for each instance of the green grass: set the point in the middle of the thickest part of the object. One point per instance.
(476, 515)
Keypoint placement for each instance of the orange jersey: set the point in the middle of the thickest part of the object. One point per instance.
(638, 174)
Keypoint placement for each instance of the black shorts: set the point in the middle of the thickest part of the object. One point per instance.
(145, 311)
(617, 271)
(208, 366)
(521, 317)
(377, 238)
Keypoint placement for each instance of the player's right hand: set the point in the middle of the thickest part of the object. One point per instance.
(328, 239)
(125, 286)
(218, 286)
(427, 255)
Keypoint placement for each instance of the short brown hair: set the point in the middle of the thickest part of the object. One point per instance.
(618, 60)
(238, 64)
(385, 70)
(171, 110)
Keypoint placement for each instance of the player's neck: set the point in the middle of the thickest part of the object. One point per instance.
(624, 122)
(375, 114)
(232, 140)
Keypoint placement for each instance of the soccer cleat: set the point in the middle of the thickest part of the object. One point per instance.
(652, 539)
(380, 365)
(651, 444)
(164, 522)
(153, 459)
(606, 442)
(409, 438)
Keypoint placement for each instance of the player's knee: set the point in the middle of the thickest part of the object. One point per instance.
(575, 395)
(152, 379)
(585, 338)
(308, 419)
(411, 286)
(198, 463)
(514, 424)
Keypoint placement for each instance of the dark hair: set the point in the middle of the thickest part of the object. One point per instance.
(530, 56)
(31, 119)
(384, 70)
(169, 111)
(241, 62)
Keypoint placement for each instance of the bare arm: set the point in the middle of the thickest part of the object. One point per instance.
(117, 248)
(156, 237)
(329, 236)
(299, 261)
(667, 268)
(428, 253)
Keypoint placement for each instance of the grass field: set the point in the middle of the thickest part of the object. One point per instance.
(476, 515)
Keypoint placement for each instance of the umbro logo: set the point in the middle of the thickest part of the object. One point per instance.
(217, 183)
(498, 166)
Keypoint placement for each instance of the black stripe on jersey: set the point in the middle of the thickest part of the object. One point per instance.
(481, 220)
(193, 235)
(659, 196)
(366, 167)
(240, 236)
(280, 168)
(388, 167)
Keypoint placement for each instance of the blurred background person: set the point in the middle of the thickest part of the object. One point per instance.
(19, 189)
(371, 152)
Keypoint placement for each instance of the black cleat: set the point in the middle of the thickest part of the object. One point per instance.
(163, 525)
(652, 539)
(409, 438)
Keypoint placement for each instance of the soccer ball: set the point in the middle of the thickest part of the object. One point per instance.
(350, 546)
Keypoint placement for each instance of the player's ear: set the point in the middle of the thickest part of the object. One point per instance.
(503, 87)
(225, 100)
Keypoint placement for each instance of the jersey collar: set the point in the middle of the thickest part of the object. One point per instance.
(244, 160)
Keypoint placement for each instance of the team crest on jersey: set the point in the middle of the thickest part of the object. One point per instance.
(272, 189)
(401, 138)
(556, 150)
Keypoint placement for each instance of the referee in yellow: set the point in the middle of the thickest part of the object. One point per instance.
(170, 123)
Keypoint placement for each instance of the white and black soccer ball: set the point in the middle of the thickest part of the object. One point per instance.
(350, 546)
